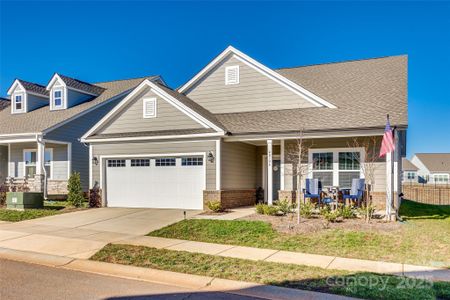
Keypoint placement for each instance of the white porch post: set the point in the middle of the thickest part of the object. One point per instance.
(389, 179)
(40, 158)
(269, 173)
(218, 164)
(282, 165)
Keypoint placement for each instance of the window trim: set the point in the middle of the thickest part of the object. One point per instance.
(184, 162)
(53, 105)
(160, 158)
(411, 172)
(140, 160)
(227, 79)
(116, 166)
(335, 170)
(61, 97)
(155, 107)
(22, 95)
(443, 175)
(45, 164)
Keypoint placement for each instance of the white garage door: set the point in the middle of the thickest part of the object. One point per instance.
(160, 182)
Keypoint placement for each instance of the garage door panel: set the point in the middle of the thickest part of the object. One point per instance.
(155, 186)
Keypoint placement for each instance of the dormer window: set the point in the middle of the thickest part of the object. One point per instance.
(57, 99)
(18, 102)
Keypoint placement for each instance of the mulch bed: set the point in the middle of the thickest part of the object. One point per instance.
(288, 224)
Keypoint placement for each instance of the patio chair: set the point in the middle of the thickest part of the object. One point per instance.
(313, 189)
(356, 192)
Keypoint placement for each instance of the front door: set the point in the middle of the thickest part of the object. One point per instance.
(276, 178)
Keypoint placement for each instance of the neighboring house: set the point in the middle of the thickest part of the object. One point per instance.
(40, 131)
(409, 171)
(216, 137)
(432, 167)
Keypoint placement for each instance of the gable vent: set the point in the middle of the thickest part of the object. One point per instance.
(232, 75)
(150, 108)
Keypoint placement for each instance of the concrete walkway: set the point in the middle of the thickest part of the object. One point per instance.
(287, 257)
(233, 214)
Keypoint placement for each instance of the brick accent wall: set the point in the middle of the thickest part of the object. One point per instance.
(230, 198)
(379, 200)
(57, 187)
(287, 195)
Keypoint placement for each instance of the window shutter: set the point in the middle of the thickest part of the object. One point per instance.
(150, 108)
(232, 75)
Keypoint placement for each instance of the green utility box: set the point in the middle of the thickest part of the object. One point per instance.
(24, 200)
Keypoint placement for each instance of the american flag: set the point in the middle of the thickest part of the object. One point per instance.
(387, 145)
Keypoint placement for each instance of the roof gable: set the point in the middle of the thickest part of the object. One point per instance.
(294, 87)
(29, 87)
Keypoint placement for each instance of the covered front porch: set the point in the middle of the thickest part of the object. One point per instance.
(31, 163)
(271, 167)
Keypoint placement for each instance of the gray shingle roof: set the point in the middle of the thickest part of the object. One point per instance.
(42, 118)
(152, 133)
(33, 87)
(364, 92)
(81, 85)
(435, 162)
(4, 103)
(407, 165)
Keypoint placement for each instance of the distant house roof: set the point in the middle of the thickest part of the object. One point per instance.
(81, 85)
(435, 162)
(43, 118)
(4, 103)
(407, 165)
(364, 91)
(34, 87)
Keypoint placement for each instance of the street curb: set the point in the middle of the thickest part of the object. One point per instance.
(190, 281)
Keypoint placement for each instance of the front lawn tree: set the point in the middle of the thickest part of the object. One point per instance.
(75, 191)
(297, 156)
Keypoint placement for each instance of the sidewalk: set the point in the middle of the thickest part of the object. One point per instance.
(287, 257)
(189, 281)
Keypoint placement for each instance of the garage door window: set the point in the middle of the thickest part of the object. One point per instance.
(115, 163)
(165, 162)
(192, 161)
(140, 162)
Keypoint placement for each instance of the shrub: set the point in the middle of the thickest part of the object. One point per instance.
(332, 216)
(75, 195)
(95, 197)
(260, 208)
(214, 206)
(3, 191)
(306, 210)
(284, 206)
(270, 210)
(347, 212)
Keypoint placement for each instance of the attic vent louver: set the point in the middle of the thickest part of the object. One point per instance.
(150, 108)
(232, 75)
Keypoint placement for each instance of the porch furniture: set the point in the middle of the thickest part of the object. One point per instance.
(313, 189)
(356, 192)
(332, 197)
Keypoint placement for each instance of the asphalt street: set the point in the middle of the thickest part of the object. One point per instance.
(21, 281)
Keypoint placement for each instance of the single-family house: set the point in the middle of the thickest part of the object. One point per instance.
(40, 129)
(231, 128)
(409, 171)
(432, 167)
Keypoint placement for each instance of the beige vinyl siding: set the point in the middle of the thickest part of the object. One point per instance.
(131, 119)
(255, 91)
(72, 131)
(238, 166)
(147, 148)
(379, 164)
(3, 163)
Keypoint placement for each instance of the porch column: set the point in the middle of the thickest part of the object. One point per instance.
(269, 173)
(282, 165)
(40, 158)
(389, 185)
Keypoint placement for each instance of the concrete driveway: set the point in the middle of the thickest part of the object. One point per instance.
(80, 234)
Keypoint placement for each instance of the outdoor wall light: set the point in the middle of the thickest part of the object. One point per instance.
(210, 156)
(95, 160)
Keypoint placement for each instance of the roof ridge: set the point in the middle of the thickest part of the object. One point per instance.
(30, 82)
(76, 79)
(341, 62)
(143, 77)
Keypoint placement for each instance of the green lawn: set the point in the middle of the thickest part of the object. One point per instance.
(50, 208)
(423, 239)
(361, 285)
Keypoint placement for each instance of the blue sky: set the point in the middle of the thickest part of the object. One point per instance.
(100, 41)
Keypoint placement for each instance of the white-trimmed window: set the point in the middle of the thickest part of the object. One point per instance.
(30, 161)
(149, 108)
(441, 178)
(58, 98)
(140, 162)
(165, 162)
(192, 161)
(232, 75)
(411, 175)
(335, 167)
(18, 102)
(116, 163)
